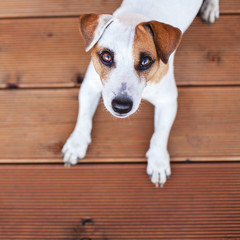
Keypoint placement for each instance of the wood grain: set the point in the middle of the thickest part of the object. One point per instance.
(41, 52)
(200, 201)
(37, 8)
(209, 54)
(229, 6)
(49, 52)
(36, 123)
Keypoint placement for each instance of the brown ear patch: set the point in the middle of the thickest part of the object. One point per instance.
(165, 37)
(144, 43)
(92, 26)
(87, 26)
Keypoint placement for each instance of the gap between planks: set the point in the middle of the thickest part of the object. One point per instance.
(77, 86)
(119, 160)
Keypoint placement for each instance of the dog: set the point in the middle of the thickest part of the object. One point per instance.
(132, 59)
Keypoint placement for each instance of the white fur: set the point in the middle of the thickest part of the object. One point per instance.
(103, 22)
(118, 37)
(210, 11)
(124, 72)
(76, 146)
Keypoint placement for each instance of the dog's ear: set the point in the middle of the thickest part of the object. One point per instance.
(165, 37)
(92, 26)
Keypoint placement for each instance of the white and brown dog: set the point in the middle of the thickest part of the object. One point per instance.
(132, 58)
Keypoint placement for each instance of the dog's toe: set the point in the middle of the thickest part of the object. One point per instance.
(158, 169)
(67, 164)
(210, 11)
(75, 148)
(70, 158)
(159, 176)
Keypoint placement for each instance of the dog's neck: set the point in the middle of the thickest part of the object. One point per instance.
(177, 13)
(130, 18)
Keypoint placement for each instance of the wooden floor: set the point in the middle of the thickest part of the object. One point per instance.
(109, 195)
(201, 201)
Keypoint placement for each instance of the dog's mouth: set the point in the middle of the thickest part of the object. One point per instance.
(118, 115)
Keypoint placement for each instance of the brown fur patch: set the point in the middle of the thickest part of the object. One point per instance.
(102, 70)
(166, 38)
(160, 73)
(144, 43)
(87, 26)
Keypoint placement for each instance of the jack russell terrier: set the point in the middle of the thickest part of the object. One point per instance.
(132, 58)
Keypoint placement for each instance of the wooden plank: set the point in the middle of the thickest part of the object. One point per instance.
(200, 201)
(118, 160)
(36, 123)
(50, 53)
(38, 8)
(28, 8)
(229, 6)
(209, 54)
(41, 52)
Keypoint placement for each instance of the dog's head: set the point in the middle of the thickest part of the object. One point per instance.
(127, 56)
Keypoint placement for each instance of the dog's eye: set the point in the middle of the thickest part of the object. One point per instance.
(145, 63)
(106, 58)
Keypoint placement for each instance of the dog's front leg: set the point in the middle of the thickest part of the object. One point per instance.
(76, 146)
(158, 167)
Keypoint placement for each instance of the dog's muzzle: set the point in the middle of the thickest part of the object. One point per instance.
(122, 105)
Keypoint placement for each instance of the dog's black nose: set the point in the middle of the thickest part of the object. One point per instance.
(122, 104)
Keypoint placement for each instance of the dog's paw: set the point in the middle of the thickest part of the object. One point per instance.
(74, 149)
(158, 167)
(210, 11)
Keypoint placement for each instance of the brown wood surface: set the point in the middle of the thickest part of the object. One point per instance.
(49, 52)
(229, 6)
(200, 201)
(36, 8)
(209, 54)
(41, 50)
(36, 123)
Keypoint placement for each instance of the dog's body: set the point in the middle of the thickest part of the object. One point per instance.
(132, 58)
